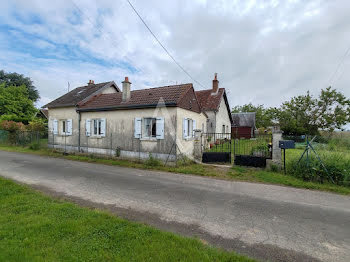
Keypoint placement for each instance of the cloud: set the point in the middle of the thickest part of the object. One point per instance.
(263, 51)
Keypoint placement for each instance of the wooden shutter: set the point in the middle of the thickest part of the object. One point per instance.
(185, 128)
(160, 127)
(137, 127)
(55, 126)
(69, 127)
(193, 127)
(88, 127)
(103, 127)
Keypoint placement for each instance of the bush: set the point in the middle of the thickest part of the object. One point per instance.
(36, 125)
(337, 165)
(152, 162)
(34, 146)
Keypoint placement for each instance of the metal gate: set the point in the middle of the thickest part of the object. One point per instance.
(216, 147)
(253, 151)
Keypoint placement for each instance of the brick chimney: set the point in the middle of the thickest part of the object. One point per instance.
(91, 82)
(215, 83)
(126, 89)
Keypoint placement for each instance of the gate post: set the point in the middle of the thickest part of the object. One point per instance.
(276, 151)
(197, 145)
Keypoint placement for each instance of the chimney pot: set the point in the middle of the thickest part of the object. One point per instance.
(215, 83)
(91, 82)
(126, 89)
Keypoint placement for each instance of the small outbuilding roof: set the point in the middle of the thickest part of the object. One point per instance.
(246, 119)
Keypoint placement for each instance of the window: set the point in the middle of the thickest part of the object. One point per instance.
(189, 125)
(97, 127)
(65, 126)
(150, 127)
(223, 128)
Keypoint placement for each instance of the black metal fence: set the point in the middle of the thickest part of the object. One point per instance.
(259, 146)
(216, 147)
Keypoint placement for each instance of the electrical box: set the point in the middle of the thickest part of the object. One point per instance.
(286, 144)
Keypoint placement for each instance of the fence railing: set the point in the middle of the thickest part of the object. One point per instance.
(216, 142)
(22, 138)
(260, 146)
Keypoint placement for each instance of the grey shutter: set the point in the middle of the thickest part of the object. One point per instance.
(160, 127)
(103, 127)
(55, 126)
(88, 127)
(137, 127)
(69, 127)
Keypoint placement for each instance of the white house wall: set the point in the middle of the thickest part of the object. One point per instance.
(59, 114)
(186, 146)
(222, 118)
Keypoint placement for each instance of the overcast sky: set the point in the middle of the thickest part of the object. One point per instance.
(263, 51)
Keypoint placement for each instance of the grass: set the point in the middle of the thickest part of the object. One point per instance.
(34, 227)
(234, 173)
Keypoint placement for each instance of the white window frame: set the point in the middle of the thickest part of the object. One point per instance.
(145, 134)
(141, 129)
(99, 127)
(63, 127)
(188, 128)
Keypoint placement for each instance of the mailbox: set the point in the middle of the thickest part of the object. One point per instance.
(286, 144)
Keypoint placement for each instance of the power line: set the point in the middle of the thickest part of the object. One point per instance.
(160, 43)
(341, 62)
(100, 30)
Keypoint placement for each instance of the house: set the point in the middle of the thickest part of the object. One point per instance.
(243, 125)
(131, 124)
(215, 104)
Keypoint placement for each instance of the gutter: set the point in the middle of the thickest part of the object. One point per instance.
(79, 121)
(172, 104)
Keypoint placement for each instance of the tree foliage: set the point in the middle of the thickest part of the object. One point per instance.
(15, 104)
(15, 79)
(305, 114)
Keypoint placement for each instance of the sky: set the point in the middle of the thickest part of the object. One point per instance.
(263, 51)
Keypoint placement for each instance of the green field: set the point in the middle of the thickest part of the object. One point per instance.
(34, 227)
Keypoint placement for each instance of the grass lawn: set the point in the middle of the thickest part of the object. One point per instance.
(34, 227)
(234, 173)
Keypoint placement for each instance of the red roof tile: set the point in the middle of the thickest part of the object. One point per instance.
(209, 101)
(76, 95)
(176, 95)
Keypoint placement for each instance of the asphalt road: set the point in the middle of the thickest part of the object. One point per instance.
(263, 221)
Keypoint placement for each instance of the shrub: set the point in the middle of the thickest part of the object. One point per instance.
(152, 162)
(36, 125)
(12, 127)
(34, 146)
(337, 165)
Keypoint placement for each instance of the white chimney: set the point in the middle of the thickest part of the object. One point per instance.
(126, 89)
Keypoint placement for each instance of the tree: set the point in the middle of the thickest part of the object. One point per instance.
(308, 115)
(14, 79)
(332, 110)
(15, 104)
(264, 116)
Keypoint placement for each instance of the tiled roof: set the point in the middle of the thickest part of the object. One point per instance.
(209, 101)
(175, 95)
(243, 119)
(75, 96)
(45, 112)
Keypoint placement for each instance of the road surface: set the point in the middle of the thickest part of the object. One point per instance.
(263, 221)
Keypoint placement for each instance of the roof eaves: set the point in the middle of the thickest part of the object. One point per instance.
(111, 108)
